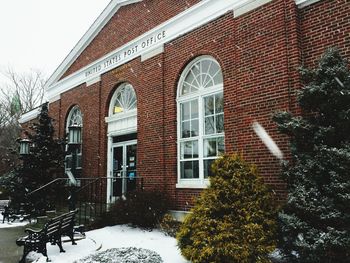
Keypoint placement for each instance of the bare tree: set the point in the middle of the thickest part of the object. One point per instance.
(21, 93)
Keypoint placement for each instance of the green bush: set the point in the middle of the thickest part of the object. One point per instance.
(169, 225)
(139, 208)
(146, 208)
(233, 220)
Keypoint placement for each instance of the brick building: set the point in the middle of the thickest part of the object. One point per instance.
(161, 88)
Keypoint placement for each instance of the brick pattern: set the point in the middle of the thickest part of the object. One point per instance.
(128, 23)
(325, 24)
(259, 53)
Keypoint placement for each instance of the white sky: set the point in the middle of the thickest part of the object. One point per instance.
(39, 34)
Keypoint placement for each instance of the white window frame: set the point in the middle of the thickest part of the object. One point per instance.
(79, 155)
(123, 114)
(200, 182)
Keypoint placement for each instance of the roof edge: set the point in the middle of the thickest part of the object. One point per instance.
(87, 38)
(30, 115)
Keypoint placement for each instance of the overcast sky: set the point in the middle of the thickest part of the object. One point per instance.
(39, 34)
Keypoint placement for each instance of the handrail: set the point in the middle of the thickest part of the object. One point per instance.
(98, 178)
(83, 178)
(90, 191)
(44, 186)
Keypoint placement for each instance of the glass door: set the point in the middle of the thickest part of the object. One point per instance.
(123, 168)
(118, 173)
(130, 168)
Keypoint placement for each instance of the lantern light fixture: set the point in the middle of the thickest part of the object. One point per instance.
(74, 134)
(24, 147)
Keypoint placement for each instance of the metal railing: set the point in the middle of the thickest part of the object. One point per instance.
(89, 195)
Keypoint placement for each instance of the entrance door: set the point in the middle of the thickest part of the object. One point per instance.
(123, 168)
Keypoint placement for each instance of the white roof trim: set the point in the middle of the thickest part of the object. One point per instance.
(92, 32)
(303, 3)
(30, 115)
(190, 19)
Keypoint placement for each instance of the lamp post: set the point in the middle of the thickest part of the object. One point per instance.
(74, 141)
(24, 147)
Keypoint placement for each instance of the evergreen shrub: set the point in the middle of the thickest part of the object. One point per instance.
(315, 223)
(143, 209)
(233, 220)
(169, 225)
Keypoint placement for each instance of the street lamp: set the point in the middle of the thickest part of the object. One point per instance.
(24, 147)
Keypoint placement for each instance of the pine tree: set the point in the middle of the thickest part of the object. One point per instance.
(44, 163)
(315, 223)
(233, 220)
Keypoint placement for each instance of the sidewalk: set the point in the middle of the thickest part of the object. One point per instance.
(9, 251)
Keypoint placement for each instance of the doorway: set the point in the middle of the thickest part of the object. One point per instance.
(124, 170)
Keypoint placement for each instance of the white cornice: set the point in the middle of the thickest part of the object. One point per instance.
(192, 18)
(303, 3)
(92, 32)
(30, 115)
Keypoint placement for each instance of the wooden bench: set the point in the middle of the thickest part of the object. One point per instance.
(52, 232)
(11, 214)
(4, 209)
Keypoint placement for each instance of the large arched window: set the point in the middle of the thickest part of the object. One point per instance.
(200, 120)
(123, 100)
(75, 118)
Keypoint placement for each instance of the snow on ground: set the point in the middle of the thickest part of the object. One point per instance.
(120, 236)
(16, 223)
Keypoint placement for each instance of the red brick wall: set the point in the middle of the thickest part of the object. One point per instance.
(128, 23)
(324, 24)
(259, 53)
(252, 51)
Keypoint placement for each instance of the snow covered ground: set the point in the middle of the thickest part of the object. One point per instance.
(98, 240)
(121, 236)
(11, 224)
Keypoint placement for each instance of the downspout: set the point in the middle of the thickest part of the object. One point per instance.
(287, 56)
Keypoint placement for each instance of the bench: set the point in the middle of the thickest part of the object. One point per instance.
(11, 214)
(4, 209)
(52, 232)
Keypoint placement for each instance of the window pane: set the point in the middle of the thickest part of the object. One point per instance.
(185, 129)
(213, 69)
(209, 105)
(189, 169)
(194, 128)
(218, 78)
(196, 70)
(209, 125)
(125, 99)
(219, 103)
(221, 145)
(189, 78)
(185, 111)
(205, 65)
(79, 161)
(189, 150)
(195, 149)
(220, 123)
(209, 83)
(186, 150)
(186, 88)
(210, 148)
(194, 109)
(68, 162)
(207, 168)
(132, 104)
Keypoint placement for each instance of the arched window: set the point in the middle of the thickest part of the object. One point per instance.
(124, 100)
(200, 120)
(75, 118)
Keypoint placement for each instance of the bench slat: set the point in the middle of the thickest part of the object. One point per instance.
(51, 232)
